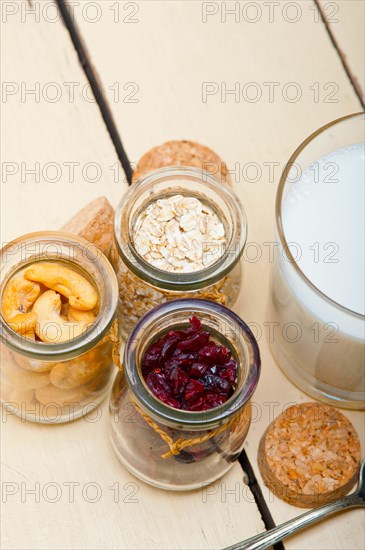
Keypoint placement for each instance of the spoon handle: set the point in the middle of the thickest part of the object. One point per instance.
(268, 538)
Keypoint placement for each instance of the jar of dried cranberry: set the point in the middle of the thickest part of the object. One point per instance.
(180, 233)
(180, 408)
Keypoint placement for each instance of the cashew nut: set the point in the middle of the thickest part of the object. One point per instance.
(19, 294)
(98, 383)
(33, 365)
(50, 325)
(23, 398)
(77, 372)
(81, 294)
(23, 379)
(80, 316)
(51, 394)
(59, 396)
(64, 310)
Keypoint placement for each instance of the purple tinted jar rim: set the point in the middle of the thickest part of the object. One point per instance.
(191, 419)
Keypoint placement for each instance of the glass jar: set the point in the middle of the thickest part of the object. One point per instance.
(317, 342)
(141, 285)
(144, 430)
(58, 382)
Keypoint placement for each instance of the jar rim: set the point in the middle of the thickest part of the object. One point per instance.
(279, 204)
(178, 280)
(170, 415)
(82, 343)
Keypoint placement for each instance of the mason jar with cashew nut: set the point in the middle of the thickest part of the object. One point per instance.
(59, 297)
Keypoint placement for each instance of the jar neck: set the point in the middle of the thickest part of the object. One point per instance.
(214, 317)
(78, 254)
(190, 182)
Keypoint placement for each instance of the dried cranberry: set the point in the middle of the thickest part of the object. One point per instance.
(216, 384)
(173, 334)
(172, 402)
(178, 379)
(195, 323)
(194, 343)
(157, 384)
(193, 389)
(151, 359)
(215, 354)
(185, 457)
(169, 347)
(197, 370)
(194, 404)
(212, 400)
(194, 327)
(167, 368)
(187, 370)
(229, 371)
(183, 359)
(195, 456)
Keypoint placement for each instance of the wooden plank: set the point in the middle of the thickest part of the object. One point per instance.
(74, 465)
(56, 152)
(54, 459)
(173, 53)
(345, 19)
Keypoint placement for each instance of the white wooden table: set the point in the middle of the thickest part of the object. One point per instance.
(167, 69)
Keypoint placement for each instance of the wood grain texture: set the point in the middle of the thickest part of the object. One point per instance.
(108, 509)
(345, 19)
(164, 57)
(75, 465)
(56, 152)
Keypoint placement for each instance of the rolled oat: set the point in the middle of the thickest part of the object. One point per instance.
(179, 234)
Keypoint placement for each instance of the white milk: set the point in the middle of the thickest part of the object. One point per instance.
(319, 345)
(323, 213)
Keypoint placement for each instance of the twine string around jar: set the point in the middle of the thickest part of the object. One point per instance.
(129, 280)
(213, 293)
(175, 446)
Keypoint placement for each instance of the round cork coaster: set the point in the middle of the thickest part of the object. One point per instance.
(183, 153)
(309, 455)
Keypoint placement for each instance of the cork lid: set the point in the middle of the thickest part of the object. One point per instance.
(182, 153)
(309, 455)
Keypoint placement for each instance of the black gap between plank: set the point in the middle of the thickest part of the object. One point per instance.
(258, 496)
(354, 83)
(96, 88)
(122, 155)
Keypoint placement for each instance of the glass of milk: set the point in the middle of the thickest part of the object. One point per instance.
(316, 307)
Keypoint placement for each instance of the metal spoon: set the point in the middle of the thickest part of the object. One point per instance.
(268, 538)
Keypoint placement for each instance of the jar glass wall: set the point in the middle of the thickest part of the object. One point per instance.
(221, 430)
(60, 381)
(142, 285)
(324, 353)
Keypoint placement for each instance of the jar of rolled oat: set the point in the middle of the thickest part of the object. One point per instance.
(59, 296)
(179, 233)
(180, 407)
